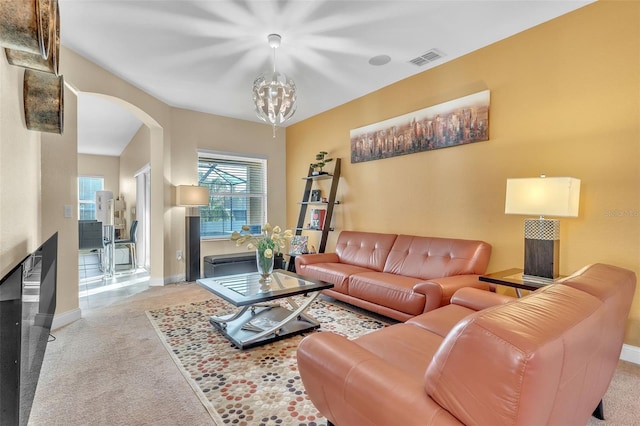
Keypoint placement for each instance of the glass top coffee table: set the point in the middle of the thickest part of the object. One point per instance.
(258, 322)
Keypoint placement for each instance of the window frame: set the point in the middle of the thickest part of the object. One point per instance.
(240, 158)
(93, 201)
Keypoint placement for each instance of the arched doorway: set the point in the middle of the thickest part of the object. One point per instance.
(114, 148)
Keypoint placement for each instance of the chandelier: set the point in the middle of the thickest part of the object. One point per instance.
(274, 94)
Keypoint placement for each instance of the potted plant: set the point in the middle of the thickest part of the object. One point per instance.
(321, 160)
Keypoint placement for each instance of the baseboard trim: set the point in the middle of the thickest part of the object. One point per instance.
(158, 282)
(180, 278)
(630, 354)
(66, 318)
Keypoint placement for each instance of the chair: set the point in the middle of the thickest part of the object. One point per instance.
(91, 249)
(130, 244)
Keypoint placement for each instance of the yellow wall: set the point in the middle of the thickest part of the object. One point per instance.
(564, 101)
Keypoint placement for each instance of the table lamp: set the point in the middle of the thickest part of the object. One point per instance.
(543, 196)
(192, 197)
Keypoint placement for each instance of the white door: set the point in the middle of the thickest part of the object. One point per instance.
(143, 195)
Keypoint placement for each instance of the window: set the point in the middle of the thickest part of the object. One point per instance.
(87, 187)
(238, 188)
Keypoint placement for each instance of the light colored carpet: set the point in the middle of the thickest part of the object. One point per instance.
(110, 368)
(257, 386)
(622, 400)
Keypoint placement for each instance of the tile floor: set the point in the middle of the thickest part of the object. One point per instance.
(97, 290)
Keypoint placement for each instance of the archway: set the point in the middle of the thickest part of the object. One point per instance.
(156, 161)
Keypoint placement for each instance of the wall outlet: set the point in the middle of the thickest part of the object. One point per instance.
(179, 254)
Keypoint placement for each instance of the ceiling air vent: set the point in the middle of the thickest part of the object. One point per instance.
(431, 56)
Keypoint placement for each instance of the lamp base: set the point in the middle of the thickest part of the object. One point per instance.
(192, 248)
(542, 247)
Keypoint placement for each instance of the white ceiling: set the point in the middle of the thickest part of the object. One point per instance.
(204, 55)
(104, 127)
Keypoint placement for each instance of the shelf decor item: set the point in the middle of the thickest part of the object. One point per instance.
(298, 245)
(270, 241)
(317, 218)
(321, 161)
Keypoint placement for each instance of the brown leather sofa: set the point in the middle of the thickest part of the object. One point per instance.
(399, 276)
(485, 359)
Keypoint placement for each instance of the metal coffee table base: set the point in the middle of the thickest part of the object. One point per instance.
(262, 323)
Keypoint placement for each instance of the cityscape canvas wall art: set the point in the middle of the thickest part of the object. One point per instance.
(457, 122)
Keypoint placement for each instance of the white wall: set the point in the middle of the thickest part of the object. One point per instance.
(19, 173)
(171, 164)
(196, 131)
(103, 166)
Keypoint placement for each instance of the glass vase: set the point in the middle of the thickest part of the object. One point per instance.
(265, 266)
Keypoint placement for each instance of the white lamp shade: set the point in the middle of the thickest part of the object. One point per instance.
(544, 196)
(189, 195)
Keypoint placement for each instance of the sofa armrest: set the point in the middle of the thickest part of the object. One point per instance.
(307, 259)
(477, 299)
(350, 385)
(438, 291)
(302, 260)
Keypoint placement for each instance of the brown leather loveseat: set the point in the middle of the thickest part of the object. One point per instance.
(399, 276)
(485, 359)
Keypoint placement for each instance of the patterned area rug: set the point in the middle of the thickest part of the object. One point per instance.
(258, 386)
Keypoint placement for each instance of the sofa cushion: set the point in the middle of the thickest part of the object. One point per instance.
(336, 273)
(440, 321)
(352, 386)
(364, 249)
(479, 299)
(427, 257)
(464, 302)
(406, 347)
(390, 290)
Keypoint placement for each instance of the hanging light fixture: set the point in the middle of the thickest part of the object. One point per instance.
(274, 94)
